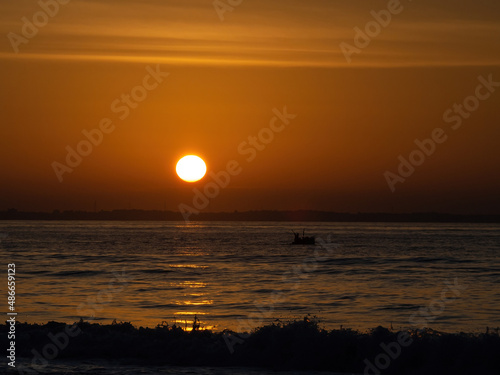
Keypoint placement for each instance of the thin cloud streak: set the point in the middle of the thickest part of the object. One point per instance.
(173, 33)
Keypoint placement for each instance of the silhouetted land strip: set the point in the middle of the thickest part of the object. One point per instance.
(298, 345)
(311, 216)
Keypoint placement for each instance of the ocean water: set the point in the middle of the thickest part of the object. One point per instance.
(246, 274)
(102, 367)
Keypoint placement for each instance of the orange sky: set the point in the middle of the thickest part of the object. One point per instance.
(225, 78)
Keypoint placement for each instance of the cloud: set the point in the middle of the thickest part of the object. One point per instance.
(256, 33)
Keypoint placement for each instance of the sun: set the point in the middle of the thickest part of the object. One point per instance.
(191, 168)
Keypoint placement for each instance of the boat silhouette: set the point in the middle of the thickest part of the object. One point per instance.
(298, 240)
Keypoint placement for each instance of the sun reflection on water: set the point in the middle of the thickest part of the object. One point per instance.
(186, 319)
(190, 284)
(192, 303)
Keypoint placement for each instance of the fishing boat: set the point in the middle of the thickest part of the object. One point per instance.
(298, 240)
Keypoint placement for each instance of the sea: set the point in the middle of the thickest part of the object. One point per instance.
(243, 275)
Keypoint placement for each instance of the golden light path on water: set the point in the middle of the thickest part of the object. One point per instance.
(223, 273)
(185, 318)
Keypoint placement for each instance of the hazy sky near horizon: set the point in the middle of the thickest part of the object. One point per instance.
(225, 78)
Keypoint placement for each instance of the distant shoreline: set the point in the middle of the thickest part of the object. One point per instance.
(263, 215)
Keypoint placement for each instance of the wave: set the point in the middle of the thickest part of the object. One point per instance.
(401, 307)
(296, 345)
(78, 273)
(157, 270)
(160, 306)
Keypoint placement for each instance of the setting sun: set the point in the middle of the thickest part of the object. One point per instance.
(191, 168)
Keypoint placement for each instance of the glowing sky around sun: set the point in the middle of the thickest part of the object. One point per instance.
(224, 80)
